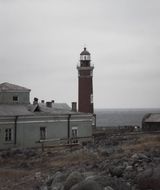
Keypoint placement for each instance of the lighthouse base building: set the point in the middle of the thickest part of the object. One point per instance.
(25, 125)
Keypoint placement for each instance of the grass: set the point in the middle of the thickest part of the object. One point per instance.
(74, 158)
(143, 143)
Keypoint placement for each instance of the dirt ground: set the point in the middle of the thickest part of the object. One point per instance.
(28, 169)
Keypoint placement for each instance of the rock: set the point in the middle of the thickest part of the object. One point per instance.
(106, 151)
(108, 188)
(57, 182)
(139, 157)
(29, 153)
(129, 168)
(58, 177)
(116, 171)
(72, 179)
(113, 182)
(54, 179)
(44, 188)
(87, 185)
(57, 186)
(24, 165)
(149, 179)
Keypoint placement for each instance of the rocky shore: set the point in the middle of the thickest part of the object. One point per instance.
(112, 162)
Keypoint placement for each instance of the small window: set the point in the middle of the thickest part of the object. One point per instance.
(42, 133)
(8, 135)
(91, 98)
(15, 98)
(74, 134)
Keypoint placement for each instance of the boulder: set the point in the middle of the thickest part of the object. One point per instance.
(43, 188)
(57, 182)
(72, 179)
(87, 185)
(59, 177)
(116, 171)
(113, 182)
(108, 188)
(149, 179)
(139, 157)
(57, 186)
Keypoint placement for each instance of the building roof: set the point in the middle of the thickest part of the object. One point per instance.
(23, 110)
(153, 117)
(57, 108)
(8, 87)
(39, 109)
(14, 110)
(85, 52)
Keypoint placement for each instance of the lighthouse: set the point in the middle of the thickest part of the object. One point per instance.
(85, 84)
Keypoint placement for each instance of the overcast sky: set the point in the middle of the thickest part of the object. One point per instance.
(40, 43)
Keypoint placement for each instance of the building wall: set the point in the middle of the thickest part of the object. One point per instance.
(28, 133)
(150, 126)
(27, 129)
(6, 123)
(83, 124)
(7, 97)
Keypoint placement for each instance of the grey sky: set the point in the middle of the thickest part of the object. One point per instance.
(40, 43)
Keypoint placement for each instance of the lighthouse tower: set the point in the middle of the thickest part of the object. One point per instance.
(85, 85)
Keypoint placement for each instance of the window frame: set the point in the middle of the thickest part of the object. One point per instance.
(15, 98)
(8, 135)
(43, 133)
(74, 134)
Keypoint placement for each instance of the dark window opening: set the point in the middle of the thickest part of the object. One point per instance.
(74, 135)
(43, 133)
(8, 134)
(15, 98)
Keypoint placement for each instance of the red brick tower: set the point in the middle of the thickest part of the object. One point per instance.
(85, 86)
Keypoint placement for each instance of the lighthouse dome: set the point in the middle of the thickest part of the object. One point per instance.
(85, 52)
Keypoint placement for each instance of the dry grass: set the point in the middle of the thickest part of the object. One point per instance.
(13, 178)
(74, 158)
(143, 143)
(12, 173)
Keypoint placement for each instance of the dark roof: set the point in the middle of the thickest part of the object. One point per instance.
(57, 108)
(84, 52)
(39, 109)
(8, 87)
(153, 117)
(14, 110)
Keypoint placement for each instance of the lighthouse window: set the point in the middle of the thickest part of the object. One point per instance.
(91, 98)
(85, 57)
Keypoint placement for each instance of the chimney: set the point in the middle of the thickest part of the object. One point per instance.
(35, 101)
(49, 104)
(74, 106)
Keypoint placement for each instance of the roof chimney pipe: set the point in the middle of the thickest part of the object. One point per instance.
(49, 104)
(35, 101)
(74, 106)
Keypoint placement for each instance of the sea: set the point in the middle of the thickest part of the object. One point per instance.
(122, 117)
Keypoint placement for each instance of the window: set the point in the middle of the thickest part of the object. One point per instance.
(42, 133)
(91, 98)
(8, 134)
(74, 134)
(15, 98)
